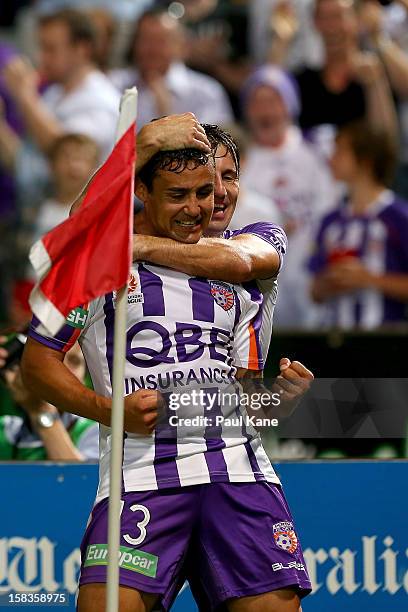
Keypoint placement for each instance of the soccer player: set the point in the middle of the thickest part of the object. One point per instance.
(183, 333)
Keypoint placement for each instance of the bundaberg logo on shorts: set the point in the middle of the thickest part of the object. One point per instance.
(129, 558)
(285, 536)
(222, 294)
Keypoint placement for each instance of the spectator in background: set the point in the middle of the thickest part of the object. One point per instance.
(360, 261)
(388, 37)
(165, 84)
(105, 30)
(351, 85)
(282, 32)
(8, 208)
(281, 166)
(73, 159)
(40, 431)
(79, 98)
(218, 42)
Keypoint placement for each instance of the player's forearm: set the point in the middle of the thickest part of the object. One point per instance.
(210, 258)
(392, 285)
(48, 378)
(40, 123)
(9, 146)
(58, 444)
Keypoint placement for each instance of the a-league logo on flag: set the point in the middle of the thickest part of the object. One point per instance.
(285, 536)
(223, 295)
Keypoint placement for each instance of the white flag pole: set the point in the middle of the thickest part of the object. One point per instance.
(128, 109)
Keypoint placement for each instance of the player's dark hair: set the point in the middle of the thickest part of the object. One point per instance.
(372, 145)
(172, 161)
(80, 26)
(217, 136)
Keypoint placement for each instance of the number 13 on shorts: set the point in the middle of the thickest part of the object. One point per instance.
(140, 526)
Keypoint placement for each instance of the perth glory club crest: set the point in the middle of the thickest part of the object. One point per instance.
(285, 536)
(223, 295)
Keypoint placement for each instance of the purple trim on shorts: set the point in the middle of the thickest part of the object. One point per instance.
(165, 452)
(152, 289)
(203, 301)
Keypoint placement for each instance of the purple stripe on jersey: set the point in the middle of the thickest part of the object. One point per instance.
(152, 289)
(257, 298)
(251, 455)
(237, 309)
(214, 457)
(203, 301)
(109, 311)
(165, 454)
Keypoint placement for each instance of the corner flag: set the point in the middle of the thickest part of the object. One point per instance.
(89, 254)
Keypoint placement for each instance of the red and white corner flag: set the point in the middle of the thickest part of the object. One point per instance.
(90, 253)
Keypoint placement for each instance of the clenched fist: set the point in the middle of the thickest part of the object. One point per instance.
(142, 411)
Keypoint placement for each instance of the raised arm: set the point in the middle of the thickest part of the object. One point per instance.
(21, 80)
(242, 258)
(46, 377)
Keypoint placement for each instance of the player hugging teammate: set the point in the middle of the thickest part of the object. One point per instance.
(202, 503)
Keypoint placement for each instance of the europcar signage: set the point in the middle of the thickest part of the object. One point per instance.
(351, 519)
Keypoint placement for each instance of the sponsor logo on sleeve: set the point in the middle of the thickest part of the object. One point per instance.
(77, 318)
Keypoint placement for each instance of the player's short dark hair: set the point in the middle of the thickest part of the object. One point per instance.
(172, 161)
(373, 145)
(79, 24)
(217, 136)
(79, 139)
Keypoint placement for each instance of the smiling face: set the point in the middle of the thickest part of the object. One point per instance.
(180, 204)
(225, 192)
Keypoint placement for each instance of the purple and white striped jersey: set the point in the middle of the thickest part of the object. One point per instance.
(379, 239)
(275, 236)
(183, 333)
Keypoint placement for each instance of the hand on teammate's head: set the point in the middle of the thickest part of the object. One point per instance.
(174, 132)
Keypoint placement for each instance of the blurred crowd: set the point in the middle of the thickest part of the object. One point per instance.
(314, 91)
